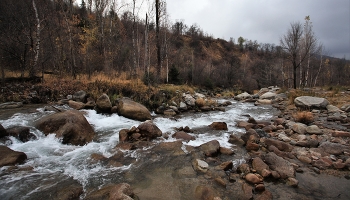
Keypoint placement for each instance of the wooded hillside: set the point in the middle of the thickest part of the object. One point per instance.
(58, 37)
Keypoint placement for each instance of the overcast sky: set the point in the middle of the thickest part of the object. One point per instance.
(267, 20)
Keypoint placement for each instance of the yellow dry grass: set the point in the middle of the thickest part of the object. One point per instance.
(303, 117)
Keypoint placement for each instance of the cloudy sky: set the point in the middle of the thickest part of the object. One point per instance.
(267, 20)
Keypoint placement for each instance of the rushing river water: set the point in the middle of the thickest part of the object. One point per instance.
(50, 162)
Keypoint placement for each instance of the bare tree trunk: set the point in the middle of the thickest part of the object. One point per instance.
(37, 44)
(319, 69)
(146, 66)
(158, 40)
(73, 66)
(307, 70)
(133, 70)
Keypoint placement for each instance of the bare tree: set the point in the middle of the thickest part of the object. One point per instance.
(291, 43)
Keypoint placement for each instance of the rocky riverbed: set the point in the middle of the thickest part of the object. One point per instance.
(231, 150)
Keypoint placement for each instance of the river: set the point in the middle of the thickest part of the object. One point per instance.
(51, 164)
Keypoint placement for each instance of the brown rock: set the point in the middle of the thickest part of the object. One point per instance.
(340, 134)
(149, 130)
(246, 125)
(282, 166)
(76, 105)
(259, 165)
(292, 182)
(247, 191)
(243, 168)
(123, 135)
(299, 128)
(11, 157)
(323, 163)
(183, 136)
(21, 133)
(333, 148)
(225, 166)
(221, 181)
(253, 178)
(279, 121)
(133, 110)
(339, 164)
(266, 195)
(71, 125)
(204, 192)
(126, 146)
(282, 146)
(103, 104)
(235, 140)
(226, 151)
(260, 187)
(218, 125)
(210, 148)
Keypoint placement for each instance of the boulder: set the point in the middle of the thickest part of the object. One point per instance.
(80, 96)
(333, 148)
(70, 125)
(11, 157)
(169, 112)
(313, 129)
(260, 166)
(282, 146)
(218, 125)
(182, 106)
(243, 96)
(308, 102)
(11, 105)
(332, 109)
(280, 165)
(299, 128)
(189, 100)
(268, 95)
(183, 136)
(200, 165)
(210, 148)
(133, 110)
(21, 133)
(253, 178)
(121, 191)
(76, 105)
(149, 130)
(3, 132)
(103, 104)
(340, 134)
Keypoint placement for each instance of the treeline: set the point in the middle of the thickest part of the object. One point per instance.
(58, 37)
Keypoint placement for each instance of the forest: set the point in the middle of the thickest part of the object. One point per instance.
(67, 39)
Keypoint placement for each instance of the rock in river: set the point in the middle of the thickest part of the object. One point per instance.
(11, 157)
(133, 110)
(71, 125)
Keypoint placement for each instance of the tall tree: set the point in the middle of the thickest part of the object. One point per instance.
(291, 43)
(158, 39)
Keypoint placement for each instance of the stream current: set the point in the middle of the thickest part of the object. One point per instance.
(51, 164)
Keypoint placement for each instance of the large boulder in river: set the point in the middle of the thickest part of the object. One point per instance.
(11, 157)
(308, 102)
(149, 130)
(103, 104)
(71, 125)
(133, 110)
(22, 133)
(210, 148)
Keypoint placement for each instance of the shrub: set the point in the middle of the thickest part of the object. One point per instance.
(304, 117)
(200, 102)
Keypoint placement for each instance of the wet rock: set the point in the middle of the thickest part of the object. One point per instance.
(279, 153)
(313, 129)
(200, 165)
(304, 159)
(210, 148)
(243, 168)
(149, 130)
(251, 144)
(80, 96)
(71, 125)
(247, 191)
(251, 132)
(226, 151)
(308, 102)
(21, 133)
(183, 136)
(90, 104)
(253, 178)
(133, 110)
(279, 121)
(235, 140)
(103, 104)
(225, 166)
(280, 165)
(3, 132)
(246, 125)
(218, 125)
(121, 191)
(292, 182)
(11, 157)
(282, 146)
(259, 187)
(205, 192)
(333, 148)
(243, 96)
(266, 195)
(169, 112)
(76, 105)
(323, 163)
(11, 105)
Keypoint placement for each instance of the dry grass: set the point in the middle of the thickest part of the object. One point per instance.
(200, 102)
(303, 117)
